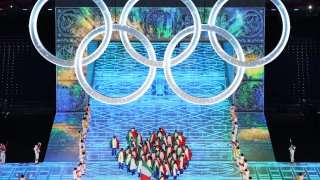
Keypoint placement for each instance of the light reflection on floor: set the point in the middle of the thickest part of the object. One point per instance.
(198, 170)
(206, 127)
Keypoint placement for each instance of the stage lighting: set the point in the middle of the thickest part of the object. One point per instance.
(259, 62)
(168, 60)
(209, 100)
(61, 62)
(159, 63)
(83, 80)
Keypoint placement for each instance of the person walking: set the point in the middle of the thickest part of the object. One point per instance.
(114, 144)
(120, 158)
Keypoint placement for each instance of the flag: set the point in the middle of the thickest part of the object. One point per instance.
(146, 172)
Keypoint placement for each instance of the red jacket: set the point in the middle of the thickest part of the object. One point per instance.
(134, 134)
(163, 132)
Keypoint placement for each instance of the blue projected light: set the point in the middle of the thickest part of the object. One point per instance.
(202, 74)
(207, 128)
(205, 171)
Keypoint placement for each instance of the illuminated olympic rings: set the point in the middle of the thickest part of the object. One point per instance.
(109, 100)
(167, 61)
(61, 62)
(256, 63)
(159, 64)
(195, 100)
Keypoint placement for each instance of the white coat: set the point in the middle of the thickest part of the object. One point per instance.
(133, 164)
(120, 157)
